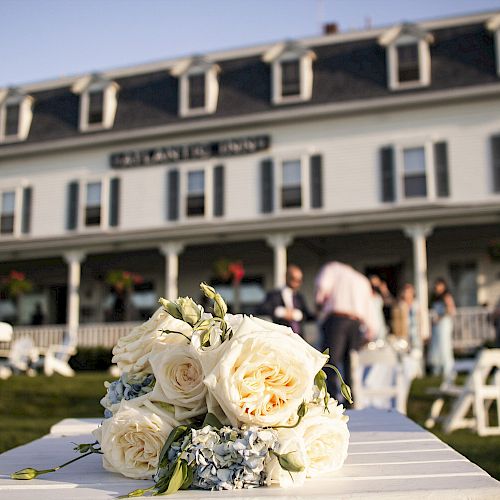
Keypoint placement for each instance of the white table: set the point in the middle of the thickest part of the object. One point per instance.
(389, 457)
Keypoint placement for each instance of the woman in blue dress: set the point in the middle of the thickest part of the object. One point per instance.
(442, 312)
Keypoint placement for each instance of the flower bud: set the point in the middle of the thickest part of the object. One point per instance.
(220, 307)
(290, 461)
(346, 392)
(171, 307)
(28, 473)
(189, 310)
(208, 291)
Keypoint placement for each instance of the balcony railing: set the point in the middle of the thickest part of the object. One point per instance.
(472, 329)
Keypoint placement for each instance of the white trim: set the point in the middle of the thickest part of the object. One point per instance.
(25, 103)
(493, 25)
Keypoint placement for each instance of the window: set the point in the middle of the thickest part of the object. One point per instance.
(408, 56)
(408, 63)
(290, 78)
(96, 106)
(98, 102)
(93, 204)
(291, 72)
(196, 91)
(464, 283)
(12, 119)
(196, 193)
(414, 173)
(8, 208)
(291, 187)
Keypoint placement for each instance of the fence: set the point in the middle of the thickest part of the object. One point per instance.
(472, 329)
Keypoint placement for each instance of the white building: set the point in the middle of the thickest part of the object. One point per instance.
(379, 148)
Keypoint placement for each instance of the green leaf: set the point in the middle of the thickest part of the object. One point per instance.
(189, 478)
(175, 435)
(212, 420)
(178, 477)
(290, 462)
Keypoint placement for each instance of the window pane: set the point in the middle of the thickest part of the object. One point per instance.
(8, 203)
(415, 186)
(196, 193)
(96, 104)
(196, 91)
(408, 68)
(94, 194)
(290, 78)
(196, 182)
(414, 161)
(291, 173)
(12, 119)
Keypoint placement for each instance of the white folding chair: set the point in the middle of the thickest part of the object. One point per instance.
(378, 379)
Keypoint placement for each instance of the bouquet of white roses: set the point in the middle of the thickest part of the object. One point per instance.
(218, 401)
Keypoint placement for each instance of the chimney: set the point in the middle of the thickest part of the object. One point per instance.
(330, 29)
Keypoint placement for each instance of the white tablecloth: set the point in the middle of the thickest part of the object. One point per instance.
(389, 457)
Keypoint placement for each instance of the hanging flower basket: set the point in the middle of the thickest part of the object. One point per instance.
(16, 284)
(123, 281)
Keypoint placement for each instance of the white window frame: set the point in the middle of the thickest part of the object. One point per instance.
(189, 68)
(84, 87)
(18, 207)
(430, 180)
(424, 63)
(207, 168)
(493, 25)
(306, 78)
(25, 103)
(82, 203)
(278, 161)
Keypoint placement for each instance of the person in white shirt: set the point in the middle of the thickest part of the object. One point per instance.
(348, 316)
(287, 305)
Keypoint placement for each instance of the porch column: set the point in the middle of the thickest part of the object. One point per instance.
(279, 243)
(74, 261)
(418, 234)
(171, 252)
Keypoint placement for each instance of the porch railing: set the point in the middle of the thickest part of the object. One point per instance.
(472, 329)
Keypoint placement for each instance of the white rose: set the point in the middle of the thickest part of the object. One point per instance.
(179, 381)
(290, 442)
(263, 374)
(131, 441)
(326, 438)
(131, 352)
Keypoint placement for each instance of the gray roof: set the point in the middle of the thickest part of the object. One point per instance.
(352, 70)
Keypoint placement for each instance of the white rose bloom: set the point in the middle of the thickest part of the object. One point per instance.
(326, 438)
(263, 374)
(131, 441)
(289, 442)
(131, 352)
(179, 381)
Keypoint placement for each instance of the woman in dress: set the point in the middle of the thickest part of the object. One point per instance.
(442, 312)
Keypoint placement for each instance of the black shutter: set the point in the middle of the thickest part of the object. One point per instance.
(72, 206)
(495, 155)
(26, 213)
(173, 194)
(267, 186)
(218, 190)
(114, 202)
(316, 181)
(441, 166)
(387, 174)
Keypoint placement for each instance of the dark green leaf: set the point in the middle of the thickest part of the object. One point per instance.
(189, 477)
(175, 435)
(212, 420)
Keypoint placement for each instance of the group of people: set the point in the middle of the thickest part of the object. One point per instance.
(352, 309)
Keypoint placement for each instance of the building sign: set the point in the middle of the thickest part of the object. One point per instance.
(196, 151)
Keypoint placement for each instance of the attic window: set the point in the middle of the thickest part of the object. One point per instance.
(290, 78)
(15, 115)
(98, 102)
(196, 85)
(408, 56)
(493, 25)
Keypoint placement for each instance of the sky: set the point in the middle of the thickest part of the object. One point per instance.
(46, 39)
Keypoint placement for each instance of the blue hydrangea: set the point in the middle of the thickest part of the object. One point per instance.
(226, 458)
(126, 388)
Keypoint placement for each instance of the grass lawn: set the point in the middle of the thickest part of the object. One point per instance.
(29, 406)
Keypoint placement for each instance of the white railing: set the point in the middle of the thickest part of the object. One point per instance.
(472, 329)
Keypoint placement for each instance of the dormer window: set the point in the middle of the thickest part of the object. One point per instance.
(15, 115)
(198, 86)
(493, 25)
(292, 73)
(98, 102)
(408, 57)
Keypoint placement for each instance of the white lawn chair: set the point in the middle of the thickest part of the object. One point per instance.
(480, 391)
(378, 379)
(6, 332)
(22, 358)
(56, 359)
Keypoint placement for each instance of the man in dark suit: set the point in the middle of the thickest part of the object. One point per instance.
(287, 305)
